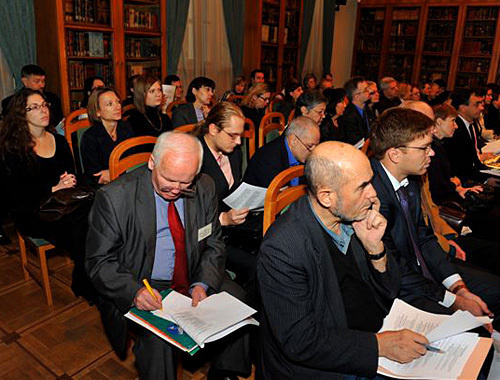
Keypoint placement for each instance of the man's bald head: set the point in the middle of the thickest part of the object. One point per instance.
(331, 164)
(419, 106)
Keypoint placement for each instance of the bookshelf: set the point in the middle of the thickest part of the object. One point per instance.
(422, 40)
(108, 38)
(272, 39)
(368, 42)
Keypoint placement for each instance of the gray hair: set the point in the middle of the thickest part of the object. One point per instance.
(321, 172)
(385, 82)
(300, 126)
(177, 143)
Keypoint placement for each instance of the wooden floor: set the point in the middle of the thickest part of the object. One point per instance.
(65, 341)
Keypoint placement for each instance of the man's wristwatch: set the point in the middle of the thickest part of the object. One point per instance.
(378, 256)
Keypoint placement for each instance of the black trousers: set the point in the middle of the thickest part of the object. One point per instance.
(155, 358)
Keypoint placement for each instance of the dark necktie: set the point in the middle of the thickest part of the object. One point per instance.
(367, 123)
(180, 280)
(403, 200)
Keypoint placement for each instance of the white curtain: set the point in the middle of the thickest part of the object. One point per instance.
(205, 50)
(6, 80)
(313, 62)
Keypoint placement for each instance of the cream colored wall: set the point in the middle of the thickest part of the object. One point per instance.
(343, 42)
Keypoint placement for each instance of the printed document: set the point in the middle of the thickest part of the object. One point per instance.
(246, 196)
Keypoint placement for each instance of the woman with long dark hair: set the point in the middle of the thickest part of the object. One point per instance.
(329, 127)
(35, 164)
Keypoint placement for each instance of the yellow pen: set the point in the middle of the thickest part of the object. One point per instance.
(150, 290)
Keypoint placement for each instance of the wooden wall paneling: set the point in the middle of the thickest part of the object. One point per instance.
(163, 39)
(492, 75)
(119, 71)
(356, 41)
(385, 43)
(253, 37)
(457, 46)
(281, 43)
(424, 14)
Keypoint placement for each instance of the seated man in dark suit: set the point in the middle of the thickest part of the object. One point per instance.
(327, 279)
(33, 77)
(290, 149)
(463, 149)
(160, 223)
(389, 96)
(401, 142)
(438, 93)
(354, 124)
(199, 95)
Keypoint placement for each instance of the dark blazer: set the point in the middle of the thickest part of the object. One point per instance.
(352, 125)
(121, 244)
(397, 236)
(385, 103)
(304, 330)
(212, 168)
(462, 155)
(492, 119)
(267, 163)
(184, 114)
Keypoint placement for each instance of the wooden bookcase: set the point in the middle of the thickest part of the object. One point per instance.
(422, 40)
(110, 38)
(272, 39)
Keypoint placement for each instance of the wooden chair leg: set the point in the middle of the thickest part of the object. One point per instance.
(45, 275)
(24, 257)
(180, 370)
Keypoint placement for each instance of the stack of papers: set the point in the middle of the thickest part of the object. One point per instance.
(444, 332)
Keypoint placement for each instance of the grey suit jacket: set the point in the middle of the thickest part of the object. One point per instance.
(121, 243)
(304, 328)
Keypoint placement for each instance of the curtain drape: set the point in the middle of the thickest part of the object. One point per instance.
(307, 17)
(6, 80)
(328, 27)
(17, 35)
(177, 13)
(205, 49)
(313, 60)
(234, 16)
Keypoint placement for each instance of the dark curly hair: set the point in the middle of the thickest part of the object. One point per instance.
(15, 136)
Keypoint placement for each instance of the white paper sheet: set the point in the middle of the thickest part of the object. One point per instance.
(246, 196)
(492, 147)
(213, 316)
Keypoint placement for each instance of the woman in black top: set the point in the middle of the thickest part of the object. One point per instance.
(35, 164)
(292, 92)
(254, 105)
(329, 127)
(107, 131)
(148, 119)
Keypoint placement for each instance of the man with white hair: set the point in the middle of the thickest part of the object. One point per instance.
(390, 94)
(160, 223)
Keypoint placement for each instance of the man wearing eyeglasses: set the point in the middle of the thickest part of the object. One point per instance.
(401, 142)
(160, 223)
(354, 124)
(290, 149)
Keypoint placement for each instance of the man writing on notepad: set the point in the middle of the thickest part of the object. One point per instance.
(160, 223)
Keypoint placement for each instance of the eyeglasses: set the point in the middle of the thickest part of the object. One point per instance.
(309, 148)
(234, 135)
(373, 92)
(188, 192)
(361, 91)
(36, 107)
(321, 113)
(264, 98)
(425, 149)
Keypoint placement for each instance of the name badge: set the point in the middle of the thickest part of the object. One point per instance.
(204, 232)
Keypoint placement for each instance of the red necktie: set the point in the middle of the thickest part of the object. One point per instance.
(180, 280)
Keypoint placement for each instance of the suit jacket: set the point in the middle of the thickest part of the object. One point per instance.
(304, 328)
(397, 236)
(121, 244)
(462, 154)
(184, 114)
(267, 163)
(352, 125)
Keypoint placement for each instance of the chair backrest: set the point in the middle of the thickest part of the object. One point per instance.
(125, 111)
(366, 148)
(185, 128)
(75, 126)
(270, 122)
(119, 165)
(290, 116)
(249, 133)
(277, 199)
(237, 99)
(171, 106)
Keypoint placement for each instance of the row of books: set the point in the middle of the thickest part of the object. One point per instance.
(141, 17)
(403, 44)
(88, 44)
(435, 63)
(79, 70)
(439, 46)
(143, 68)
(404, 29)
(480, 30)
(405, 14)
(477, 47)
(370, 44)
(141, 48)
(372, 15)
(439, 13)
(476, 65)
(439, 29)
(269, 34)
(87, 11)
(482, 13)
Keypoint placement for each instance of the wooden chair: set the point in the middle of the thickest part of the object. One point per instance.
(290, 116)
(40, 247)
(171, 106)
(74, 128)
(119, 165)
(249, 134)
(366, 148)
(268, 124)
(276, 199)
(125, 111)
(188, 128)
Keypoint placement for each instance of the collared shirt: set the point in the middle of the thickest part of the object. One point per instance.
(224, 164)
(449, 298)
(164, 262)
(360, 110)
(199, 114)
(341, 241)
(467, 124)
(292, 161)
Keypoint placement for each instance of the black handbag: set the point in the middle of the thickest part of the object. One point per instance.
(479, 201)
(63, 202)
(453, 214)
